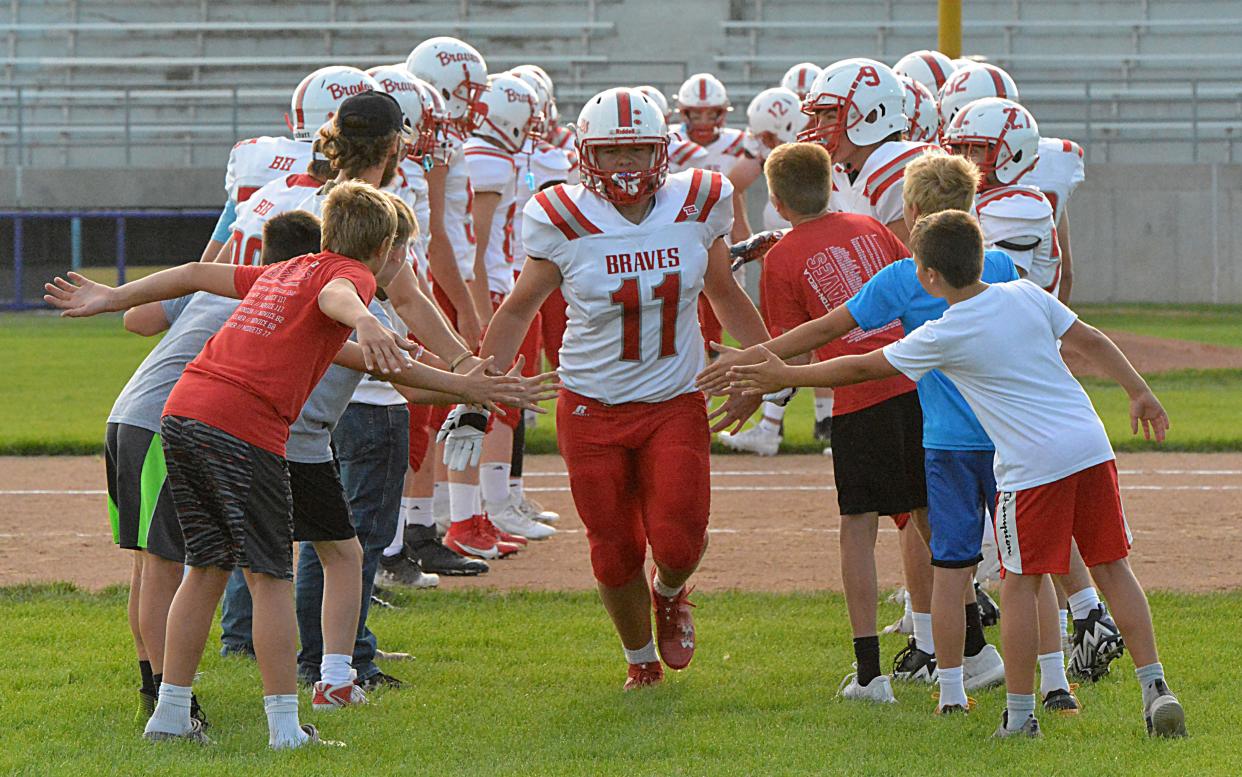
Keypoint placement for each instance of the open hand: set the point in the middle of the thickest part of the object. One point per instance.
(766, 377)
(383, 349)
(1146, 409)
(733, 413)
(714, 378)
(534, 389)
(79, 296)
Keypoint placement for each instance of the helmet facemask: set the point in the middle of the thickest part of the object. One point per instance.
(471, 93)
(828, 135)
(623, 187)
(705, 132)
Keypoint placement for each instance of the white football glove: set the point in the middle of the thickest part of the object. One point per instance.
(462, 435)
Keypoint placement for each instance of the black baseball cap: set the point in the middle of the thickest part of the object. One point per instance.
(370, 115)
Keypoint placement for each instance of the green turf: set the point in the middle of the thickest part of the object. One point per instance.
(61, 377)
(529, 684)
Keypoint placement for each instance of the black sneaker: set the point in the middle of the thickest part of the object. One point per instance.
(989, 612)
(1062, 702)
(403, 571)
(913, 665)
(823, 430)
(379, 680)
(423, 546)
(1096, 644)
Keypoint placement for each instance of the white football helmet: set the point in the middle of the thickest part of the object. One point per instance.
(922, 114)
(622, 116)
(656, 96)
(868, 98)
(776, 111)
(422, 106)
(703, 90)
(798, 79)
(1006, 131)
(510, 112)
(458, 71)
(930, 68)
(543, 99)
(319, 95)
(973, 82)
(553, 114)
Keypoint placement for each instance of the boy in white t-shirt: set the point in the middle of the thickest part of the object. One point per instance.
(1056, 476)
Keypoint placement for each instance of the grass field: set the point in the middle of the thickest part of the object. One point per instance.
(62, 377)
(529, 684)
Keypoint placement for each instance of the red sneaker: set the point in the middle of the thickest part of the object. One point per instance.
(504, 536)
(674, 626)
(331, 697)
(471, 538)
(644, 675)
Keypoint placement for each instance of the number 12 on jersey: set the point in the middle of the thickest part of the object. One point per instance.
(668, 292)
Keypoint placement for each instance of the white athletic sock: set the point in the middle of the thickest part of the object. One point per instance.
(398, 537)
(1062, 617)
(420, 512)
(772, 416)
(923, 632)
(952, 686)
(644, 655)
(1052, 673)
(1147, 677)
(1082, 603)
(440, 499)
(909, 614)
(823, 408)
(1021, 707)
(464, 501)
(517, 490)
(666, 591)
(283, 728)
(335, 669)
(494, 482)
(172, 711)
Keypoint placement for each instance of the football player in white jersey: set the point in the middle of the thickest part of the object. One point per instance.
(772, 118)
(857, 105)
(256, 161)
(245, 244)
(683, 153)
(1058, 174)
(631, 248)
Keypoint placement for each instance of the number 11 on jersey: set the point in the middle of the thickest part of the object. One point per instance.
(628, 297)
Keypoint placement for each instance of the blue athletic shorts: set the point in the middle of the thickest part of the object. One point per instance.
(961, 490)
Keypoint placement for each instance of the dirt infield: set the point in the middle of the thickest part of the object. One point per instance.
(1158, 354)
(773, 526)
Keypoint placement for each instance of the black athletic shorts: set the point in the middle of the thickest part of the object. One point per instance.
(140, 504)
(877, 458)
(233, 499)
(320, 510)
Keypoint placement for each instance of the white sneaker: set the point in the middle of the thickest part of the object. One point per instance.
(754, 440)
(983, 670)
(509, 519)
(534, 511)
(879, 690)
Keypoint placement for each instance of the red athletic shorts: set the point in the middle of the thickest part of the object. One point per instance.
(1034, 526)
(420, 435)
(530, 346)
(640, 474)
(552, 323)
(709, 325)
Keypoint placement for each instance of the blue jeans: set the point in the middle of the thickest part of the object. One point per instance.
(372, 445)
(238, 610)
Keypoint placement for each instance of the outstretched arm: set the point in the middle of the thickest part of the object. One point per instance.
(772, 374)
(382, 348)
(79, 296)
(1096, 346)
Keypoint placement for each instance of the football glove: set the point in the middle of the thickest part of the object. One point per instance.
(462, 435)
(754, 247)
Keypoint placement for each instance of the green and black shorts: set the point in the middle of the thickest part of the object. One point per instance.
(140, 504)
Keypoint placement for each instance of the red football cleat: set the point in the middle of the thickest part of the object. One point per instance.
(476, 538)
(674, 626)
(644, 675)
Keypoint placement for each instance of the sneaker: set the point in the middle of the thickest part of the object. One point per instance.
(244, 650)
(1029, 729)
(983, 670)
(312, 738)
(1062, 701)
(402, 570)
(331, 697)
(1096, 643)
(756, 439)
(954, 709)
(1165, 716)
(823, 430)
(904, 624)
(914, 665)
(989, 611)
(147, 700)
(879, 690)
(195, 735)
(392, 655)
(380, 680)
(510, 519)
(644, 675)
(470, 538)
(504, 536)
(534, 511)
(674, 626)
(422, 545)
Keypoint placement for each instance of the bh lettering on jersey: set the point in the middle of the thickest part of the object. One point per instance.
(641, 261)
(282, 163)
(839, 272)
(264, 207)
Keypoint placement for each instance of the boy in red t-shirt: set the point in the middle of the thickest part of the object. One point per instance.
(225, 426)
(877, 427)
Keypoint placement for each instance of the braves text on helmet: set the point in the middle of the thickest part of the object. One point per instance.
(423, 109)
(1006, 131)
(798, 79)
(622, 116)
(929, 67)
(922, 114)
(457, 70)
(867, 98)
(317, 98)
(510, 111)
(776, 111)
(543, 99)
(973, 82)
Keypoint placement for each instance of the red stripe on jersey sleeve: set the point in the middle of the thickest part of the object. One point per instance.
(572, 207)
(885, 185)
(245, 192)
(900, 159)
(696, 181)
(558, 221)
(735, 148)
(1006, 193)
(713, 196)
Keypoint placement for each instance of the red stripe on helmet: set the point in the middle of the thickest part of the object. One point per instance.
(936, 71)
(802, 78)
(625, 117)
(299, 121)
(997, 82)
(702, 88)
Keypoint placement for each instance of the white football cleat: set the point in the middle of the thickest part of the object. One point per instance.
(511, 521)
(983, 670)
(879, 690)
(753, 440)
(534, 511)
